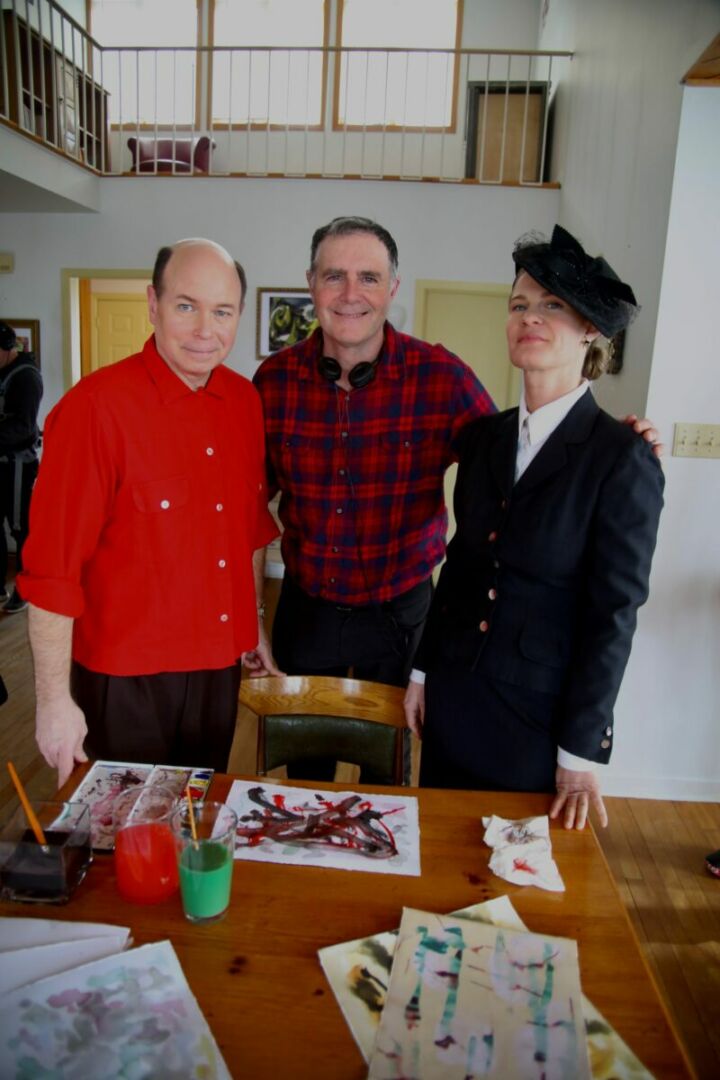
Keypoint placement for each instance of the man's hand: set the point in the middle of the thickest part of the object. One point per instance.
(647, 429)
(60, 732)
(576, 792)
(414, 705)
(260, 660)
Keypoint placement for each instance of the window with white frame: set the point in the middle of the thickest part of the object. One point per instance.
(402, 89)
(277, 86)
(153, 82)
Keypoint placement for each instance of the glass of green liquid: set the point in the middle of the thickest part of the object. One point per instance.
(205, 861)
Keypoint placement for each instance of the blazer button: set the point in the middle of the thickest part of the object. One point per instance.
(492, 537)
(608, 731)
(605, 744)
(503, 504)
(492, 594)
(484, 627)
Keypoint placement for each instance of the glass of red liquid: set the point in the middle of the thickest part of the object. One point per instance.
(145, 859)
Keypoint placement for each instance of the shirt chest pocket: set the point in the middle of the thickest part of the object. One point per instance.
(410, 455)
(404, 442)
(161, 496)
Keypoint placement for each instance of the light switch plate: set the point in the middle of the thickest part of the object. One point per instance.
(697, 440)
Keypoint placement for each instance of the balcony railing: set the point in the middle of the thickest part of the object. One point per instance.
(478, 116)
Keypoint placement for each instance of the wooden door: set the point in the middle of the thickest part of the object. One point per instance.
(469, 319)
(120, 327)
(506, 129)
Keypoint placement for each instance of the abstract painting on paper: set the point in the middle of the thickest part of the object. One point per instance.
(127, 1015)
(359, 972)
(468, 1000)
(336, 829)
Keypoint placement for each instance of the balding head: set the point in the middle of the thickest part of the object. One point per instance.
(196, 310)
(165, 253)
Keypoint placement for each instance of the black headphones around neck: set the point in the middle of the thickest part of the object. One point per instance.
(359, 376)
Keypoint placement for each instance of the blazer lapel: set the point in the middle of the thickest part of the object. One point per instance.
(503, 452)
(575, 428)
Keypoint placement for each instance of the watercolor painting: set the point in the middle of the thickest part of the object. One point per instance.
(107, 779)
(32, 949)
(128, 1015)
(468, 1000)
(336, 829)
(359, 972)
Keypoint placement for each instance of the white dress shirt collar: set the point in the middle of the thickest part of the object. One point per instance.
(540, 424)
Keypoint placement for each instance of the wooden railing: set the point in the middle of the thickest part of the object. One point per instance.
(478, 116)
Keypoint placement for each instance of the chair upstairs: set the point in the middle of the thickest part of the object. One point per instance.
(179, 154)
(310, 716)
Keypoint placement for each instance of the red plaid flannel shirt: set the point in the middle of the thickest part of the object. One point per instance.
(361, 473)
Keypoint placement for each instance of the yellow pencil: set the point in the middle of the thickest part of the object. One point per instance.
(29, 812)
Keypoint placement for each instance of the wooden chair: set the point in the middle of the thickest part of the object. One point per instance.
(302, 716)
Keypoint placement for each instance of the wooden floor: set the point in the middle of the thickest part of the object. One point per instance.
(655, 850)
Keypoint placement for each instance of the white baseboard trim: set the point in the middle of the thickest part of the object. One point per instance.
(668, 787)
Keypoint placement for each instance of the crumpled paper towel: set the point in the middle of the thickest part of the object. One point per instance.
(522, 852)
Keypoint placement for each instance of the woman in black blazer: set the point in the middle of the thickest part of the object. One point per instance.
(557, 507)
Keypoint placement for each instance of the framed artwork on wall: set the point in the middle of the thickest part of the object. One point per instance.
(284, 317)
(28, 335)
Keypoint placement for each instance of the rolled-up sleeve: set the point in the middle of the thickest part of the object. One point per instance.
(71, 502)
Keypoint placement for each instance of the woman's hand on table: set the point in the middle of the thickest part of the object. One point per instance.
(414, 704)
(576, 793)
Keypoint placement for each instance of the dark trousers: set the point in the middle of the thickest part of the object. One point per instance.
(312, 636)
(17, 479)
(173, 718)
(377, 642)
(486, 735)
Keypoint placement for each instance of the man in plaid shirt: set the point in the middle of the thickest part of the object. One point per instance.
(361, 424)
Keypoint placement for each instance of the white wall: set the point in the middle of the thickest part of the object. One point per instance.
(443, 231)
(669, 722)
(617, 142)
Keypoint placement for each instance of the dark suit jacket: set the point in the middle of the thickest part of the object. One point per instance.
(543, 578)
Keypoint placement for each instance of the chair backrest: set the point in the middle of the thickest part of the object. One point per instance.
(308, 716)
(181, 154)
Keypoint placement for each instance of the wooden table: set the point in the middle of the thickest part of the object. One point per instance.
(257, 977)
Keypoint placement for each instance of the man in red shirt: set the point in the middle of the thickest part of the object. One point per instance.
(149, 506)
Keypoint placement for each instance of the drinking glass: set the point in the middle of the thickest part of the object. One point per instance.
(145, 862)
(205, 863)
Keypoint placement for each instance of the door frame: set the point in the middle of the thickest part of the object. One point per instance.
(72, 316)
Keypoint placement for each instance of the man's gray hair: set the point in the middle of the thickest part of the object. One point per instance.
(347, 226)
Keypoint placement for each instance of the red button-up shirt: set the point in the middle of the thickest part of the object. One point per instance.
(148, 506)
(361, 473)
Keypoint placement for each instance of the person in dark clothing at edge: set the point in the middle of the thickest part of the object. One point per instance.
(21, 389)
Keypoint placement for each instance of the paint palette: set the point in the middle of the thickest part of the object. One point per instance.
(108, 779)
